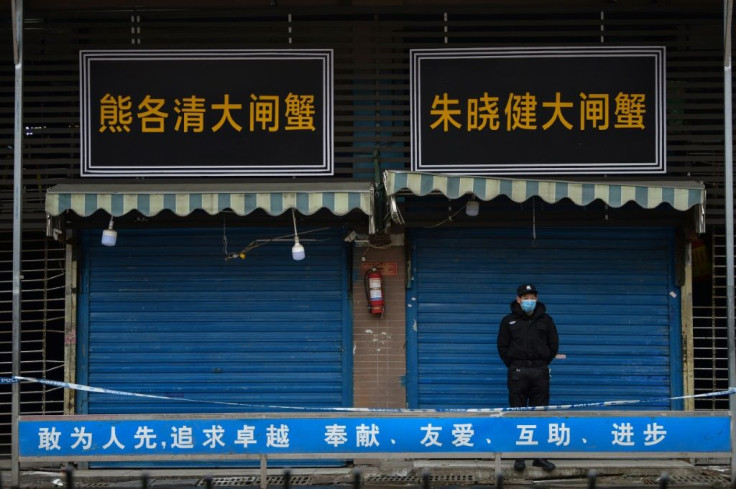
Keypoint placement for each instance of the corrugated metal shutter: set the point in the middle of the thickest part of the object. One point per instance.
(164, 313)
(610, 291)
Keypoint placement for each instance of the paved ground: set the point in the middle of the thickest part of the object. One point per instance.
(395, 474)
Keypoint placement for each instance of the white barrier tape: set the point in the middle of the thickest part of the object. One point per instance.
(100, 390)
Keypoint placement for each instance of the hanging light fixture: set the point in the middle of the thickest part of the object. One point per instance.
(297, 251)
(109, 235)
(472, 207)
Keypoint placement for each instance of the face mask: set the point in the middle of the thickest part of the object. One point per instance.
(528, 305)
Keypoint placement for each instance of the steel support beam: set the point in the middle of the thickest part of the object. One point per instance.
(728, 164)
(17, 6)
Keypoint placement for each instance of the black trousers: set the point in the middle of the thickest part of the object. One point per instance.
(528, 386)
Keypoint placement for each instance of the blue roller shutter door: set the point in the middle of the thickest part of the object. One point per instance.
(164, 313)
(610, 291)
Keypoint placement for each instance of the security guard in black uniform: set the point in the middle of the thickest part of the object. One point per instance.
(527, 343)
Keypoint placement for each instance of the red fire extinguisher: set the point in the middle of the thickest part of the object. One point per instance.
(374, 290)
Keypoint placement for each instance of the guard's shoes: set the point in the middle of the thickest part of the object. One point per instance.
(546, 465)
(519, 464)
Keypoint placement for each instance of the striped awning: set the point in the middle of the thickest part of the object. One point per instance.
(182, 199)
(681, 195)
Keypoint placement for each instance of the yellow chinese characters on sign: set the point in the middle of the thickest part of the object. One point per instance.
(522, 112)
(189, 114)
(115, 113)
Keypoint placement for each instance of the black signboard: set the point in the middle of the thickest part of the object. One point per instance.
(206, 113)
(594, 110)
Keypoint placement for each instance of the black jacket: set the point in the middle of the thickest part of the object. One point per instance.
(527, 341)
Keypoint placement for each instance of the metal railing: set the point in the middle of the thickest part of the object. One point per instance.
(42, 330)
(710, 330)
(357, 480)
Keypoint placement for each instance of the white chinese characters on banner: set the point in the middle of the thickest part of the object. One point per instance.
(367, 435)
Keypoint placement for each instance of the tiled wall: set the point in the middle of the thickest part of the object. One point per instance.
(379, 351)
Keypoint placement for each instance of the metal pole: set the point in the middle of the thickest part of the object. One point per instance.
(17, 6)
(728, 162)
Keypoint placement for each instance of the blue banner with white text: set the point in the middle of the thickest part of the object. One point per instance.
(122, 436)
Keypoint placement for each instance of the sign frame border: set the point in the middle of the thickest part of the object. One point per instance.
(658, 166)
(87, 168)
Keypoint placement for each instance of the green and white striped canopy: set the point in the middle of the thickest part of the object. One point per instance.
(650, 194)
(182, 199)
(681, 195)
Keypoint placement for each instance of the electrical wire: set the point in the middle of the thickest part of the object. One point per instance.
(448, 219)
(257, 243)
